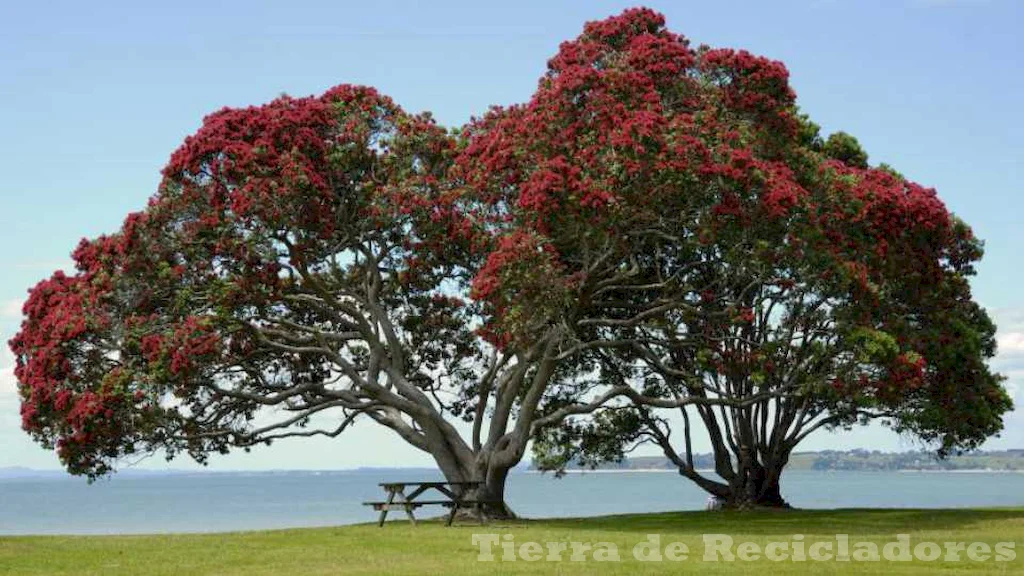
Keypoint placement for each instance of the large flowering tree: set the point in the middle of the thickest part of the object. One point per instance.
(770, 283)
(305, 264)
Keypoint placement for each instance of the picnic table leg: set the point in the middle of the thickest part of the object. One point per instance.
(451, 515)
(384, 510)
(408, 507)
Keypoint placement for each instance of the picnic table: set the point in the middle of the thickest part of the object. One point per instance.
(452, 492)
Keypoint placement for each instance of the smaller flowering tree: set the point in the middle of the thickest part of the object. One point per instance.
(768, 283)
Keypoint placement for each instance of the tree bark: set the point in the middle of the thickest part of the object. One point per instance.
(493, 492)
(757, 485)
(478, 469)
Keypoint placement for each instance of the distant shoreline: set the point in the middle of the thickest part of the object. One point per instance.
(704, 471)
(956, 471)
(1011, 460)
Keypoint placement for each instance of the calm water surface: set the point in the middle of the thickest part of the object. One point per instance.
(218, 502)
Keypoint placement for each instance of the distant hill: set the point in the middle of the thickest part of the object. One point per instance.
(17, 472)
(996, 460)
(22, 472)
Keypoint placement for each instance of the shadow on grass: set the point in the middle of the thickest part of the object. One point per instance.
(858, 521)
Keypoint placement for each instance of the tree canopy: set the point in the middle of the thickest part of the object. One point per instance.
(776, 272)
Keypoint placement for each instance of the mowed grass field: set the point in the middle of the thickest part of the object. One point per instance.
(431, 548)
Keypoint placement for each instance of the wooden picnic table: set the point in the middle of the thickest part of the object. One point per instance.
(397, 499)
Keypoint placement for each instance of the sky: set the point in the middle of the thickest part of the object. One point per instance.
(94, 97)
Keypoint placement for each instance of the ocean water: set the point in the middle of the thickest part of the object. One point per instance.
(211, 502)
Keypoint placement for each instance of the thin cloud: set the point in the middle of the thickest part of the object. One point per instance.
(1009, 340)
(11, 309)
(1011, 343)
(1013, 385)
(8, 384)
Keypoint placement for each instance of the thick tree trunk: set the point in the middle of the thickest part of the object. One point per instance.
(759, 488)
(478, 469)
(493, 493)
(756, 485)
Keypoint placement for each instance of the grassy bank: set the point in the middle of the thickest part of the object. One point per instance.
(430, 548)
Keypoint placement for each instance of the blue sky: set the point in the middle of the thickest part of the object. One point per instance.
(95, 96)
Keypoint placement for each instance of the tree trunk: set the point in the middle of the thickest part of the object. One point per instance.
(493, 492)
(756, 486)
(480, 469)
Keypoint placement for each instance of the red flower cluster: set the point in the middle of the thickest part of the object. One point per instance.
(749, 82)
(272, 162)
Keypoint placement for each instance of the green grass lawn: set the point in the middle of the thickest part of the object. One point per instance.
(431, 548)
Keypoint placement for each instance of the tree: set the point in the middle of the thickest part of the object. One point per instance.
(305, 264)
(656, 229)
(776, 285)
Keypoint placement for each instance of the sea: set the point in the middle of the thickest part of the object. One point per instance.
(216, 502)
